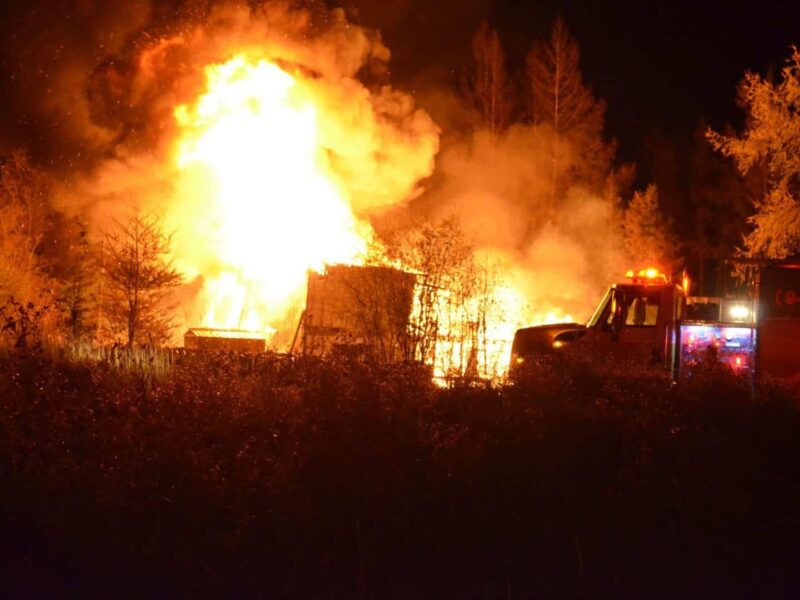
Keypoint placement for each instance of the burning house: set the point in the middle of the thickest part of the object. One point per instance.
(356, 309)
(278, 158)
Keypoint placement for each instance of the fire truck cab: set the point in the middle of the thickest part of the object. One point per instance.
(649, 324)
(635, 322)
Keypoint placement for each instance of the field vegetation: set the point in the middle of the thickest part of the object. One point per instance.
(211, 475)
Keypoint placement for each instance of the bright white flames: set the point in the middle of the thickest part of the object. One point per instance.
(478, 345)
(262, 204)
(249, 151)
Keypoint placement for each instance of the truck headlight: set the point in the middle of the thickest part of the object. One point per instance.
(739, 312)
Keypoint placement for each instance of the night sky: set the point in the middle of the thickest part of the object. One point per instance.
(661, 67)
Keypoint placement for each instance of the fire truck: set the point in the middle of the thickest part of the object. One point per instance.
(651, 323)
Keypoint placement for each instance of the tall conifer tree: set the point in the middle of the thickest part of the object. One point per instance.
(491, 89)
(560, 99)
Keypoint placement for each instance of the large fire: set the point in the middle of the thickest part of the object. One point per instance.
(266, 204)
(274, 169)
(250, 151)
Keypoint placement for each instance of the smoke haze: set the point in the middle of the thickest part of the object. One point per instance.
(105, 87)
(560, 258)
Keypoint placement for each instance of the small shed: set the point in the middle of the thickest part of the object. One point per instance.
(228, 340)
(358, 309)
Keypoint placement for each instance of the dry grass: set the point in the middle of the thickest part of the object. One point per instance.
(306, 478)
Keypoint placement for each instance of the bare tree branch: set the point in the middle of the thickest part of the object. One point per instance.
(138, 276)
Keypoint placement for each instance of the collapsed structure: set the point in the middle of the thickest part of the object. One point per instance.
(363, 311)
(358, 310)
(226, 340)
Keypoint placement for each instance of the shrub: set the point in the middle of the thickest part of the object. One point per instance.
(336, 478)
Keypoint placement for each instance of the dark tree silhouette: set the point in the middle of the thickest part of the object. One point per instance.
(491, 90)
(560, 99)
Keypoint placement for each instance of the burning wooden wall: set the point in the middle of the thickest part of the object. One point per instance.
(358, 310)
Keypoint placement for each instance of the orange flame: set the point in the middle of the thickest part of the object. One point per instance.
(265, 205)
(249, 152)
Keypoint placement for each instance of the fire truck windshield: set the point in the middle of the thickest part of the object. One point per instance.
(634, 306)
(643, 309)
(629, 306)
(598, 313)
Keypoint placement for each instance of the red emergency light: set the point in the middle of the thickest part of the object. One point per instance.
(650, 275)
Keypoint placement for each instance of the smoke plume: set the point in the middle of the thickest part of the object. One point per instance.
(102, 89)
(559, 255)
(141, 108)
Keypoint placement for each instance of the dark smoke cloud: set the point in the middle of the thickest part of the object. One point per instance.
(71, 94)
(93, 88)
(48, 51)
(124, 105)
(73, 88)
